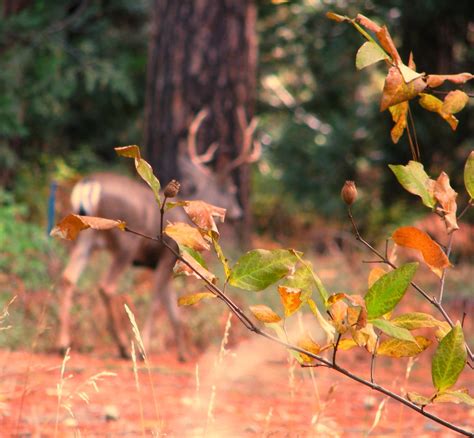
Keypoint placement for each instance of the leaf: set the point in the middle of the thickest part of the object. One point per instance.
(264, 313)
(418, 399)
(328, 328)
(143, 168)
(392, 330)
(337, 17)
(202, 214)
(458, 396)
(346, 344)
(221, 257)
(415, 180)
(191, 299)
(323, 293)
(400, 348)
(369, 53)
(365, 337)
(432, 103)
(301, 279)
(290, 298)
(259, 268)
(416, 320)
(195, 269)
(338, 312)
(433, 255)
(455, 101)
(306, 343)
(469, 175)
(186, 235)
(434, 81)
(446, 197)
(388, 290)
(375, 274)
(396, 90)
(408, 73)
(387, 43)
(70, 226)
(399, 116)
(368, 23)
(449, 359)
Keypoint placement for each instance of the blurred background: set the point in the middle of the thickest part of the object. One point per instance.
(79, 77)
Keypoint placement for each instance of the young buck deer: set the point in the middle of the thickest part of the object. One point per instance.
(114, 196)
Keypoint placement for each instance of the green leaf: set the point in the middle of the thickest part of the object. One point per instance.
(388, 290)
(415, 180)
(323, 293)
(469, 175)
(458, 396)
(408, 73)
(416, 320)
(146, 172)
(392, 330)
(449, 359)
(194, 254)
(369, 53)
(259, 268)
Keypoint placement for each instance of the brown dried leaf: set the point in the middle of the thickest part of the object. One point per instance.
(446, 197)
(399, 116)
(73, 224)
(396, 91)
(290, 298)
(434, 81)
(191, 299)
(432, 103)
(455, 101)
(203, 214)
(433, 255)
(264, 313)
(186, 235)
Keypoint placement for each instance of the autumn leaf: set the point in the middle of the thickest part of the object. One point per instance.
(337, 17)
(264, 313)
(402, 348)
(368, 23)
(185, 234)
(416, 320)
(446, 197)
(347, 344)
(69, 227)
(338, 312)
(434, 81)
(365, 337)
(433, 104)
(418, 399)
(433, 255)
(375, 274)
(306, 343)
(325, 325)
(193, 268)
(290, 298)
(396, 90)
(387, 43)
(469, 175)
(455, 101)
(202, 214)
(191, 299)
(399, 116)
(458, 396)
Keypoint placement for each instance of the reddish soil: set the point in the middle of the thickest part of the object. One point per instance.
(255, 392)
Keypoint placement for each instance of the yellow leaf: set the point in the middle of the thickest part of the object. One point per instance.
(433, 255)
(187, 235)
(375, 274)
(408, 73)
(446, 197)
(290, 298)
(396, 90)
(264, 313)
(400, 348)
(202, 214)
(432, 103)
(365, 337)
(306, 343)
(455, 101)
(73, 224)
(399, 116)
(189, 300)
(346, 344)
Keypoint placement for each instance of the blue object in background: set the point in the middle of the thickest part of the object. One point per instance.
(51, 205)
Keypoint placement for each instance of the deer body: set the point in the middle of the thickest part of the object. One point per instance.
(114, 196)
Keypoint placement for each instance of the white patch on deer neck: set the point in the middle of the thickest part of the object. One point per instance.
(85, 197)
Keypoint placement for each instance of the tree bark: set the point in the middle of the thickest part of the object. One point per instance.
(202, 53)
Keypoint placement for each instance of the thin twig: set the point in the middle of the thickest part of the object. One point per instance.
(335, 349)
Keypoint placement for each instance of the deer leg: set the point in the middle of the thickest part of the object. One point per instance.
(117, 317)
(78, 259)
(163, 293)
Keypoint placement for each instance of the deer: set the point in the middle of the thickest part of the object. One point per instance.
(115, 196)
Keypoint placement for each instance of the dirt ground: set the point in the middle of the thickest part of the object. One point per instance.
(253, 391)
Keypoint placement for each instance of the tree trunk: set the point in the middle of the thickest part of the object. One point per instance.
(202, 53)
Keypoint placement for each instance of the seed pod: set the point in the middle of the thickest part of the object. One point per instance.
(349, 192)
(172, 189)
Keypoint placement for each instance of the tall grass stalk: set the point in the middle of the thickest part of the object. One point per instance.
(137, 385)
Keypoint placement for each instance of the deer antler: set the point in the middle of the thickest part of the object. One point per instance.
(199, 159)
(247, 153)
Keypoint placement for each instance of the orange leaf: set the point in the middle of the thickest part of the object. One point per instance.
(396, 90)
(455, 101)
(399, 115)
(306, 343)
(368, 23)
(437, 80)
(264, 313)
(338, 311)
(432, 103)
(202, 214)
(386, 42)
(291, 299)
(446, 197)
(433, 255)
(73, 224)
(336, 17)
(187, 235)
(411, 62)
